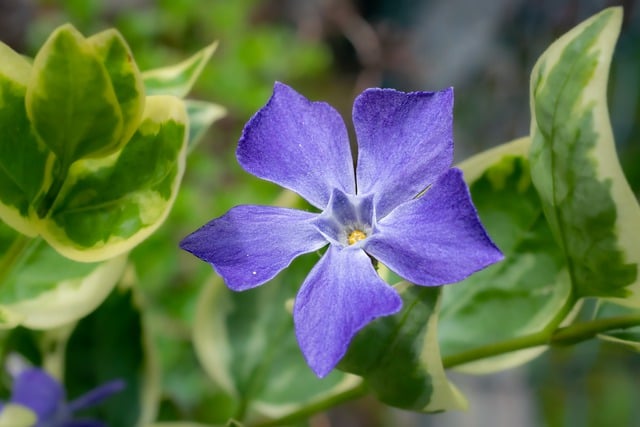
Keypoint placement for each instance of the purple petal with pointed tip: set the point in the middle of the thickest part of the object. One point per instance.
(97, 395)
(300, 145)
(38, 391)
(435, 239)
(249, 245)
(340, 296)
(405, 141)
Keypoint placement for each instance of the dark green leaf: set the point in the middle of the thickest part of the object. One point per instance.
(399, 358)
(110, 344)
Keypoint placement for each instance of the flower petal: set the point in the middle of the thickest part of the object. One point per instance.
(249, 245)
(340, 296)
(435, 239)
(96, 395)
(300, 145)
(405, 141)
(38, 391)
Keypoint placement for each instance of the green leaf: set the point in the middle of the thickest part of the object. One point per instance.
(44, 290)
(201, 115)
(398, 356)
(591, 210)
(70, 99)
(178, 79)
(630, 339)
(125, 78)
(529, 290)
(111, 343)
(22, 159)
(13, 415)
(107, 206)
(246, 343)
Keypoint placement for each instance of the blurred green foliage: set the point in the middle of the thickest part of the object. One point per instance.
(251, 55)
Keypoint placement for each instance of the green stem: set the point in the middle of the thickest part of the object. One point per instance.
(47, 200)
(15, 255)
(560, 337)
(564, 336)
(586, 330)
(305, 412)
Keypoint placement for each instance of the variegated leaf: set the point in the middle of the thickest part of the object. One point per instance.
(125, 78)
(201, 115)
(70, 100)
(22, 159)
(178, 79)
(41, 289)
(399, 358)
(529, 290)
(109, 205)
(13, 415)
(592, 212)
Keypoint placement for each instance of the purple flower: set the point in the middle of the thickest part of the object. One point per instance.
(38, 391)
(405, 146)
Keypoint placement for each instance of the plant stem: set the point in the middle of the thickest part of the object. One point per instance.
(46, 201)
(14, 255)
(586, 330)
(560, 337)
(305, 412)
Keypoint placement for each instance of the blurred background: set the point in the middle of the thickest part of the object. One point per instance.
(331, 50)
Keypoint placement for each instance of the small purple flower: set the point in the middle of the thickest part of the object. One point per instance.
(405, 146)
(38, 391)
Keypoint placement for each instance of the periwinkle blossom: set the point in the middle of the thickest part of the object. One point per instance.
(402, 205)
(37, 390)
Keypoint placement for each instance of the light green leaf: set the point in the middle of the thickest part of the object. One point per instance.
(70, 299)
(125, 78)
(592, 212)
(22, 159)
(112, 343)
(201, 115)
(41, 289)
(476, 166)
(178, 79)
(13, 415)
(529, 290)
(398, 356)
(246, 343)
(107, 206)
(70, 99)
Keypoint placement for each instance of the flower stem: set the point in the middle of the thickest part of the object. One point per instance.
(561, 337)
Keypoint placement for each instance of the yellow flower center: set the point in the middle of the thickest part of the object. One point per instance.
(356, 236)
